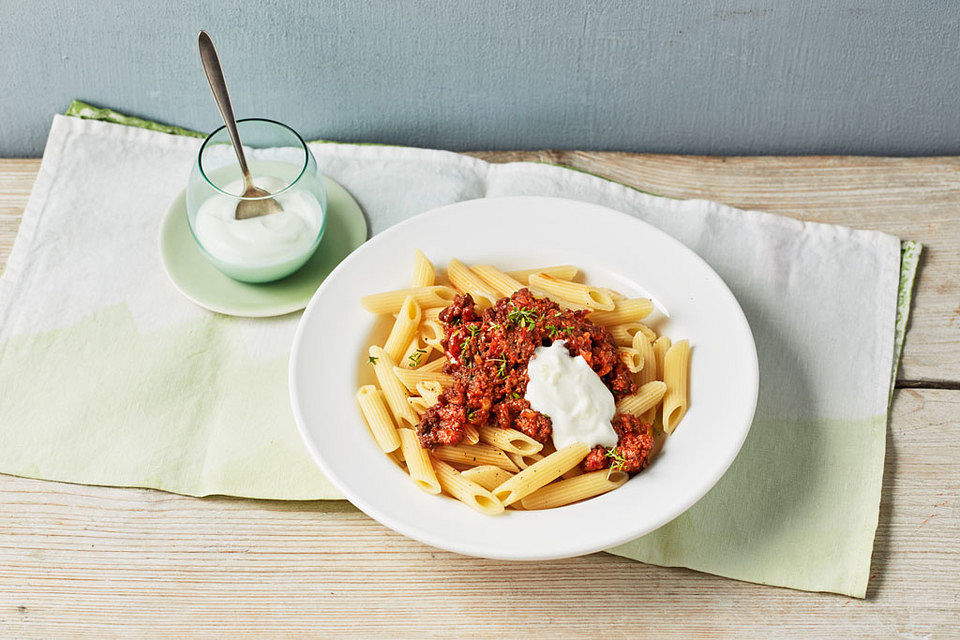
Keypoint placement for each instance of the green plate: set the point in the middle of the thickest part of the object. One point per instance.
(202, 283)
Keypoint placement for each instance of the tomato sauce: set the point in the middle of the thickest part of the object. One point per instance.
(488, 354)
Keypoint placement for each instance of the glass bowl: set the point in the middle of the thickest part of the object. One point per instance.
(269, 247)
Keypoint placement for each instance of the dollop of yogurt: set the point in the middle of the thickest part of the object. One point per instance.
(573, 396)
(264, 240)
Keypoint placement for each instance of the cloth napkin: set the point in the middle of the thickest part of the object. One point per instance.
(108, 376)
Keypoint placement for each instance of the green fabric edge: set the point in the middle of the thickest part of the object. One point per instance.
(909, 250)
(909, 263)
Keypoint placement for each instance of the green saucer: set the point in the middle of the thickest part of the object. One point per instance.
(201, 282)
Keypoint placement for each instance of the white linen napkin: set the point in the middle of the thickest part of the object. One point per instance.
(109, 376)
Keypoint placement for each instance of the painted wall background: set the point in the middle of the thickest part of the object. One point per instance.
(683, 76)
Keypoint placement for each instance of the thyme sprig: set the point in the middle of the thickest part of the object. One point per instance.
(619, 462)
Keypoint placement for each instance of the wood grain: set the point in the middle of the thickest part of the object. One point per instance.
(93, 562)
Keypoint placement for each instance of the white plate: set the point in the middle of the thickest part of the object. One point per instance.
(612, 249)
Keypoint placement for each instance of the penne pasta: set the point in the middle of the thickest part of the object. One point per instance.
(429, 390)
(373, 407)
(394, 391)
(660, 347)
(392, 301)
(467, 492)
(466, 281)
(510, 440)
(470, 434)
(623, 333)
(524, 461)
(475, 454)
(434, 365)
(431, 332)
(433, 313)
(410, 377)
(563, 272)
(616, 295)
(495, 468)
(487, 476)
(632, 358)
(403, 330)
(418, 462)
(591, 297)
(541, 473)
(416, 354)
(629, 310)
(581, 487)
(646, 398)
(501, 282)
(424, 274)
(420, 405)
(649, 371)
(676, 363)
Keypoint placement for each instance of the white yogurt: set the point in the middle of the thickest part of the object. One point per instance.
(266, 240)
(574, 397)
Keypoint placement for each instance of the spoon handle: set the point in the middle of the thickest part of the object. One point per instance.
(211, 66)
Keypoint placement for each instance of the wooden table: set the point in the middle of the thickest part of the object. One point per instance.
(79, 561)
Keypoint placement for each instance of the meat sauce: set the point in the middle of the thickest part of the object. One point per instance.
(488, 355)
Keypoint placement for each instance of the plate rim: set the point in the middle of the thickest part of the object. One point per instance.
(567, 548)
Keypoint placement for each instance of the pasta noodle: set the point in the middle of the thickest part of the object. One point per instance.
(433, 365)
(410, 377)
(470, 434)
(429, 390)
(391, 301)
(632, 358)
(623, 311)
(675, 368)
(660, 347)
(649, 371)
(503, 283)
(416, 354)
(475, 454)
(374, 410)
(581, 487)
(418, 462)
(563, 272)
(541, 473)
(431, 331)
(467, 492)
(393, 389)
(467, 281)
(492, 467)
(487, 476)
(403, 330)
(420, 405)
(424, 274)
(582, 294)
(510, 440)
(646, 398)
(623, 333)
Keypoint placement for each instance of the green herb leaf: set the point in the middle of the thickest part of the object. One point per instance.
(618, 460)
(372, 360)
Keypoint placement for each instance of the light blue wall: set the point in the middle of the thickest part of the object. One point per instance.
(682, 76)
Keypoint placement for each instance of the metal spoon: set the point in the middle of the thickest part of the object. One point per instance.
(211, 66)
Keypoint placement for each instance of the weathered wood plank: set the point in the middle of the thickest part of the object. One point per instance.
(94, 562)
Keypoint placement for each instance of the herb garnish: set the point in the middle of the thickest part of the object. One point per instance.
(502, 369)
(619, 462)
(522, 317)
(372, 360)
(416, 357)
